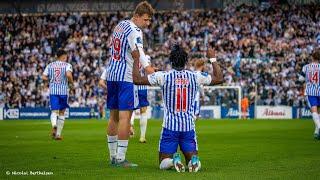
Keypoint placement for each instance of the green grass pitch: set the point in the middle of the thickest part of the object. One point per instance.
(228, 149)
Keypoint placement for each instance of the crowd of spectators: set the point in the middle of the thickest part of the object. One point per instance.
(261, 48)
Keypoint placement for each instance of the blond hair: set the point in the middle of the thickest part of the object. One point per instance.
(144, 8)
(199, 63)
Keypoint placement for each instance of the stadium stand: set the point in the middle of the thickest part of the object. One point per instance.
(260, 47)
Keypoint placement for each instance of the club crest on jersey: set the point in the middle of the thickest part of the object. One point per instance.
(181, 81)
(139, 40)
(137, 29)
(204, 74)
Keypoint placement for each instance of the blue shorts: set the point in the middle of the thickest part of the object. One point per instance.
(196, 108)
(170, 140)
(313, 101)
(143, 98)
(59, 102)
(122, 95)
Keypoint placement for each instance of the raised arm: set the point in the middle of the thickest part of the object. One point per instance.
(217, 76)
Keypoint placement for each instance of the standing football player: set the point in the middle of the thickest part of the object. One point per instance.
(122, 96)
(312, 89)
(59, 74)
(143, 106)
(179, 87)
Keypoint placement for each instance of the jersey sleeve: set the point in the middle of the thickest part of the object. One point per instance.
(46, 71)
(148, 59)
(69, 68)
(203, 78)
(135, 38)
(104, 75)
(156, 78)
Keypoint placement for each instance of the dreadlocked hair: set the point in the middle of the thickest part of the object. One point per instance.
(178, 57)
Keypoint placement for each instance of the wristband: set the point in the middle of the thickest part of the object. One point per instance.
(212, 60)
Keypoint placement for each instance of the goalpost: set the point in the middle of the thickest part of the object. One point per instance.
(236, 88)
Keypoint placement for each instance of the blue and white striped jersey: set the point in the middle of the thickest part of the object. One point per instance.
(312, 72)
(125, 37)
(179, 89)
(57, 74)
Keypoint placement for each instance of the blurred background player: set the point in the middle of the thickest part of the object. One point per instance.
(122, 96)
(143, 106)
(312, 89)
(59, 74)
(199, 67)
(244, 107)
(179, 87)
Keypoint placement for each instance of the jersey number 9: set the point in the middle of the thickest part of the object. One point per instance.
(116, 49)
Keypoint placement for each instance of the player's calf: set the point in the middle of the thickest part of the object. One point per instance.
(53, 117)
(60, 124)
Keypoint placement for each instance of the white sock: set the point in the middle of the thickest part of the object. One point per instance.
(53, 118)
(60, 123)
(143, 125)
(132, 119)
(122, 150)
(112, 145)
(166, 163)
(316, 121)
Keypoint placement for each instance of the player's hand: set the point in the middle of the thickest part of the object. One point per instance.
(211, 53)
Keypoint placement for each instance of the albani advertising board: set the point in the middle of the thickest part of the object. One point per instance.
(274, 112)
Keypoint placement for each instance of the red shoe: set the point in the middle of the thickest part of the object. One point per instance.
(54, 132)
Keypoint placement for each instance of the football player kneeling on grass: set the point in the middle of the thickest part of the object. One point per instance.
(179, 87)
